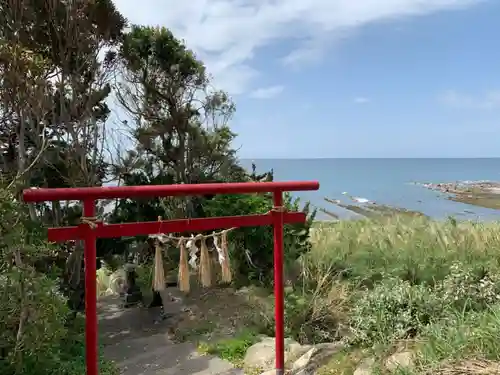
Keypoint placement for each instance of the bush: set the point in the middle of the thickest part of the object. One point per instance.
(462, 336)
(311, 317)
(66, 357)
(31, 310)
(233, 349)
(405, 275)
(251, 249)
(393, 310)
(469, 288)
(34, 336)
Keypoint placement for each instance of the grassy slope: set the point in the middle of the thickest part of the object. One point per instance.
(393, 284)
(418, 267)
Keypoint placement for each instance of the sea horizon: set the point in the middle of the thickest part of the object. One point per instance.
(389, 181)
(378, 158)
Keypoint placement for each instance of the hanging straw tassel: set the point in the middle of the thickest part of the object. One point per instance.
(159, 271)
(183, 277)
(205, 265)
(226, 265)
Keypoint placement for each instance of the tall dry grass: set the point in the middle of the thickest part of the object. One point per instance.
(415, 249)
(427, 266)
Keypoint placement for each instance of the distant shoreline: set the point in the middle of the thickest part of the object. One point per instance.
(476, 193)
(249, 159)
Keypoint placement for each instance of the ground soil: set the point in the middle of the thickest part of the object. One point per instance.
(139, 343)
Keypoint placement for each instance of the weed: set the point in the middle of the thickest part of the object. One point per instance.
(232, 349)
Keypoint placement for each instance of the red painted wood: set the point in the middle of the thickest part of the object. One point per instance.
(170, 226)
(279, 285)
(91, 329)
(111, 192)
(85, 231)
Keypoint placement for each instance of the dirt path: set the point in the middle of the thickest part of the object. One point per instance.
(139, 346)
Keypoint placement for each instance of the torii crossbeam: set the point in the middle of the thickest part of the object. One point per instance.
(90, 229)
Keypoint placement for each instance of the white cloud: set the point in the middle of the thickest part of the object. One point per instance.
(227, 34)
(361, 100)
(488, 100)
(266, 92)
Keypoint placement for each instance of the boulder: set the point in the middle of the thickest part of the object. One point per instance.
(400, 359)
(314, 358)
(365, 367)
(303, 359)
(111, 283)
(262, 355)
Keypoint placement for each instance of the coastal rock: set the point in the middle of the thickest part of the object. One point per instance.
(365, 367)
(462, 187)
(314, 358)
(304, 359)
(475, 193)
(262, 355)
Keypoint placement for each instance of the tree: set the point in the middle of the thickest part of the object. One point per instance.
(58, 45)
(181, 124)
(56, 61)
(24, 89)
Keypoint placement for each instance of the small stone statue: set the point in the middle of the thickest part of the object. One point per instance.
(133, 294)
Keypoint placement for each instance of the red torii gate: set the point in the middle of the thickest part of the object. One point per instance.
(90, 229)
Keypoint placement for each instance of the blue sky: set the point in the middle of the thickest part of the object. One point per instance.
(348, 78)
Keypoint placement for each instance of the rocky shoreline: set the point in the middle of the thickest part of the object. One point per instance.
(476, 193)
(368, 209)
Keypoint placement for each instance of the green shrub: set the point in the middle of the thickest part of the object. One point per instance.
(310, 316)
(32, 312)
(66, 357)
(34, 336)
(461, 336)
(232, 349)
(469, 287)
(406, 275)
(393, 310)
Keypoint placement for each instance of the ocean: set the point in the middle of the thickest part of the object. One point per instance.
(386, 181)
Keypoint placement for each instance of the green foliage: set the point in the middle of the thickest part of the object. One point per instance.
(157, 48)
(463, 335)
(84, 24)
(393, 310)
(432, 283)
(176, 105)
(32, 311)
(469, 287)
(183, 136)
(420, 251)
(66, 357)
(233, 349)
(309, 317)
(63, 121)
(251, 249)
